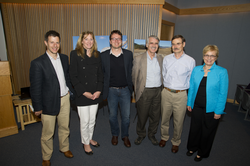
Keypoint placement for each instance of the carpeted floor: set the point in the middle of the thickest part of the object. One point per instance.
(231, 145)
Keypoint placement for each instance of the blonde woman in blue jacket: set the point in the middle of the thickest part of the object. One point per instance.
(207, 97)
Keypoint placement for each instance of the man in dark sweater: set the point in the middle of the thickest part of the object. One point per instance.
(118, 87)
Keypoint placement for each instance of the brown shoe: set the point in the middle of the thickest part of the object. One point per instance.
(175, 149)
(162, 143)
(46, 163)
(68, 154)
(126, 142)
(114, 140)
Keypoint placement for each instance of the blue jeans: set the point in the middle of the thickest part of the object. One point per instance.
(123, 97)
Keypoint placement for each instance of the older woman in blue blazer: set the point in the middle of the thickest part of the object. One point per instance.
(207, 97)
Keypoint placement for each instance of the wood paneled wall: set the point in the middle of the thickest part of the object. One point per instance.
(144, 2)
(26, 24)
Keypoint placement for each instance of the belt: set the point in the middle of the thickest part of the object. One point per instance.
(152, 87)
(118, 87)
(174, 91)
(64, 95)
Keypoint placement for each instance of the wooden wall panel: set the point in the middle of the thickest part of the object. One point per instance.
(155, 2)
(7, 89)
(26, 24)
(216, 10)
(208, 10)
(5, 83)
(4, 68)
(7, 119)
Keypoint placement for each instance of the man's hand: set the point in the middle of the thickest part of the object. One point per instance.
(38, 113)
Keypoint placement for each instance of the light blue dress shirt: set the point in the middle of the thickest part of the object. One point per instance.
(176, 72)
(153, 72)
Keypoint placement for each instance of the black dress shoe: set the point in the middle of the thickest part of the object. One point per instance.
(96, 145)
(89, 153)
(197, 159)
(189, 153)
(153, 140)
(139, 140)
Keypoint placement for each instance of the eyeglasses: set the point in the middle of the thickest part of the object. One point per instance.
(210, 56)
(116, 39)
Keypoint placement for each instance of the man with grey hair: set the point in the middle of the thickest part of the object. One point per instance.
(147, 79)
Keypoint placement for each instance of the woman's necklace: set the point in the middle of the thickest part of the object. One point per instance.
(206, 70)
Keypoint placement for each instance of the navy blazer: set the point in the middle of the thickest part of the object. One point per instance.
(44, 85)
(128, 63)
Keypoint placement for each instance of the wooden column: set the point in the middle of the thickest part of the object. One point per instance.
(7, 119)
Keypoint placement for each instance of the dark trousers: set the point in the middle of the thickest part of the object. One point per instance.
(149, 106)
(202, 131)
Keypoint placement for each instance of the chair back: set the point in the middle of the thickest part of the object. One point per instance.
(248, 86)
(245, 103)
(239, 92)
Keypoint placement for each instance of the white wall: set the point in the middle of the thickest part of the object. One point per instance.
(169, 16)
(230, 32)
(172, 2)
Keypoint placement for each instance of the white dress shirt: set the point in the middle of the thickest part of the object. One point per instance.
(57, 64)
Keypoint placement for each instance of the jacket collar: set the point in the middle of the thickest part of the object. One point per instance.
(213, 66)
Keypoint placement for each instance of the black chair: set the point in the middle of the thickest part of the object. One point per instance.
(239, 94)
(245, 103)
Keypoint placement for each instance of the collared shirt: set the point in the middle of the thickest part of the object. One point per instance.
(153, 72)
(114, 54)
(57, 64)
(176, 72)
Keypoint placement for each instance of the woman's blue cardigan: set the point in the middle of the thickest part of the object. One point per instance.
(216, 88)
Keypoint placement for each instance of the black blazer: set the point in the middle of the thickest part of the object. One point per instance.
(86, 76)
(128, 63)
(44, 85)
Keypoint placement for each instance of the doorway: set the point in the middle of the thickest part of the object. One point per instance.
(167, 30)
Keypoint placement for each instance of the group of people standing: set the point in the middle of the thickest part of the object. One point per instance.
(160, 86)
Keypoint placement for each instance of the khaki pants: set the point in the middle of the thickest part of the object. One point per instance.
(48, 130)
(173, 103)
